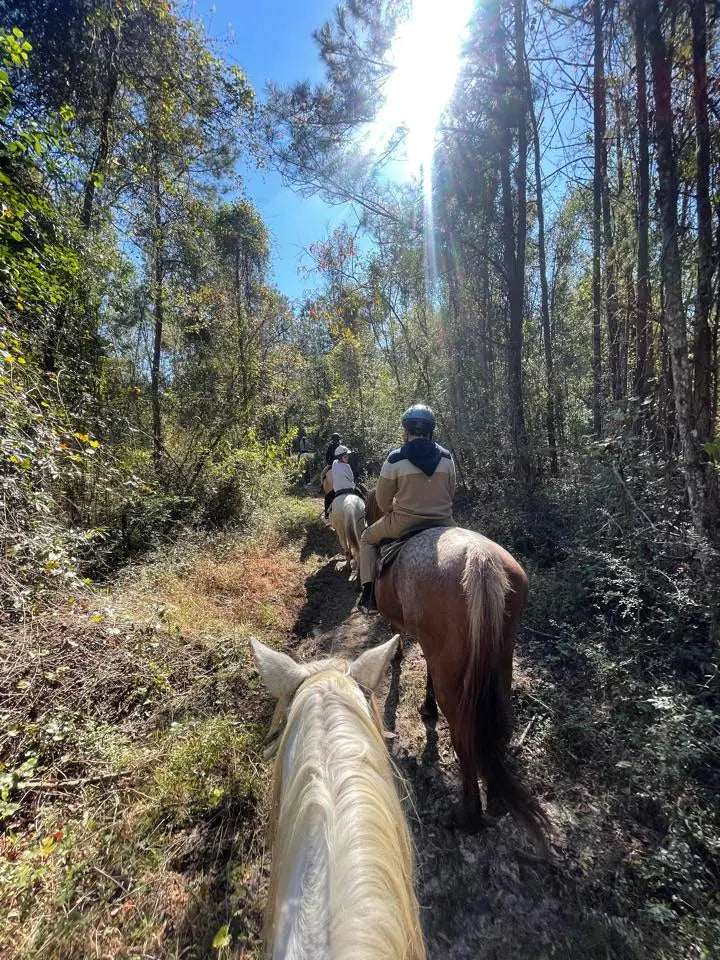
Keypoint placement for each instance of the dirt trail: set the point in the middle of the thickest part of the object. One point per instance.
(481, 896)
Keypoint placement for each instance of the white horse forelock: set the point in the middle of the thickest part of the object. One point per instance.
(342, 879)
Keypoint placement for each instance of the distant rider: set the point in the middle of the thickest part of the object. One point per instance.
(304, 444)
(415, 489)
(342, 473)
(335, 442)
(329, 459)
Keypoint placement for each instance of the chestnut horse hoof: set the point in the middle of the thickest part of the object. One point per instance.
(467, 821)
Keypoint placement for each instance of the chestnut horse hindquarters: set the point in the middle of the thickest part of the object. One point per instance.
(461, 596)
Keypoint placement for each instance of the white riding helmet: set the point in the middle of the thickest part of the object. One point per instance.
(342, 450)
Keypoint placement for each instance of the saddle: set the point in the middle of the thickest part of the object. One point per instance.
(388, 550)
(356, 490)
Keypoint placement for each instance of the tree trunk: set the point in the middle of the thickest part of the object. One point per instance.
(515, 238)
(544, 297)
(703, 506)
(642, 303)
(611, 291)
(158, 309)
(703, 351)
(103, 149)
(598, 138)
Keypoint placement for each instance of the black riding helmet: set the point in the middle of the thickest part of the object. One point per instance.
(419, 419)
(335, 436)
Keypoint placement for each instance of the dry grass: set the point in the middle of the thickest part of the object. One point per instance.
(131, 784)
(259, 589)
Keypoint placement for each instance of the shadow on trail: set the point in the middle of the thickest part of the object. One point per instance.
(320, 540)
(393, 695)
(329, 618)
(330, 601)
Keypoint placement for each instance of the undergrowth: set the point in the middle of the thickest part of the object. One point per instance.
(131, 787)
(619, 682)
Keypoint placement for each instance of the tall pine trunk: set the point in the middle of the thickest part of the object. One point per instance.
(515, 241)
(642, 302)
(703, 347)
(598, 138)
(544, 296)
(158, 316)
(700, 489)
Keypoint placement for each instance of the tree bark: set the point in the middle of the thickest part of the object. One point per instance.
(515, 240)
(544, 297)
(598, 138)
(611, 290)
(158, 311)
(642, 303)
(703, 347)
(700, 488)
(103, 149)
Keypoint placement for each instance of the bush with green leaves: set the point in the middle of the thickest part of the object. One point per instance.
(239, 479)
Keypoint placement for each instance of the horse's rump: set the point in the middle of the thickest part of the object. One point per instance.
(463, 594)
(326, 481)
(348, 519)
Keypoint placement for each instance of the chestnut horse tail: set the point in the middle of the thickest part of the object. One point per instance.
(485, 720)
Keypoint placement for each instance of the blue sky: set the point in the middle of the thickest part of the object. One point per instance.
(272, 40)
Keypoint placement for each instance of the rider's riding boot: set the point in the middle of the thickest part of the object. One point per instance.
(366, 603)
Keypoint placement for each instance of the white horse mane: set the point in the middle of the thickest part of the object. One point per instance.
(342, 875)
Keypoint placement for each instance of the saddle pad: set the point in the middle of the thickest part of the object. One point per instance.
(389, 549)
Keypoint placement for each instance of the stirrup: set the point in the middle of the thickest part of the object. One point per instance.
(368, 607)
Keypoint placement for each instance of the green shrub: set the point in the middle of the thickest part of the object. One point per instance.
(205, 765)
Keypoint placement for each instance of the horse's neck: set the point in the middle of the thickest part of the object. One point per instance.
(302, 901)
(332, 837)
(302, 919)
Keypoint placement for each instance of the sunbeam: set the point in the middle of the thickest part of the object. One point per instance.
(425, 55)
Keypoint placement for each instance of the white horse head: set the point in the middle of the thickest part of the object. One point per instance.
(342, 873)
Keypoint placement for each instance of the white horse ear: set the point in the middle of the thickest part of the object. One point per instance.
(368, 669)
(279, 672)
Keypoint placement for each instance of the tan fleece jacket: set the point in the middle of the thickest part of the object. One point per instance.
(413, 497)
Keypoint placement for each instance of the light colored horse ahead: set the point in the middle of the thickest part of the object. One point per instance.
(341, 885)
(347, 518)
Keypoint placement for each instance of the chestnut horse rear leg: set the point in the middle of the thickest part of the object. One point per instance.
(448, 681)
(428, 709)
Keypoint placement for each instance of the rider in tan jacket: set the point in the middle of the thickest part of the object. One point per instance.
(416, 488)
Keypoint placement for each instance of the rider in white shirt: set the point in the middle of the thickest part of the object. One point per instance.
(342, 475)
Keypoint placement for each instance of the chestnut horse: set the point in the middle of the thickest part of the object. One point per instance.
(461, 596)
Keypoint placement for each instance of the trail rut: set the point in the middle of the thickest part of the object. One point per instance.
(481, 896)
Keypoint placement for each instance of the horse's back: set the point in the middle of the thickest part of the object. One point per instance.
(443, 551)
(430, 571)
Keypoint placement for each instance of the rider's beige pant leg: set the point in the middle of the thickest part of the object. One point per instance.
(386, 528)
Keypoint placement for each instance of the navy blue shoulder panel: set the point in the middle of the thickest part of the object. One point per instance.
(395, 456)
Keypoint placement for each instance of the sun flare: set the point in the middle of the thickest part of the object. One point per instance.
(425, 55)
